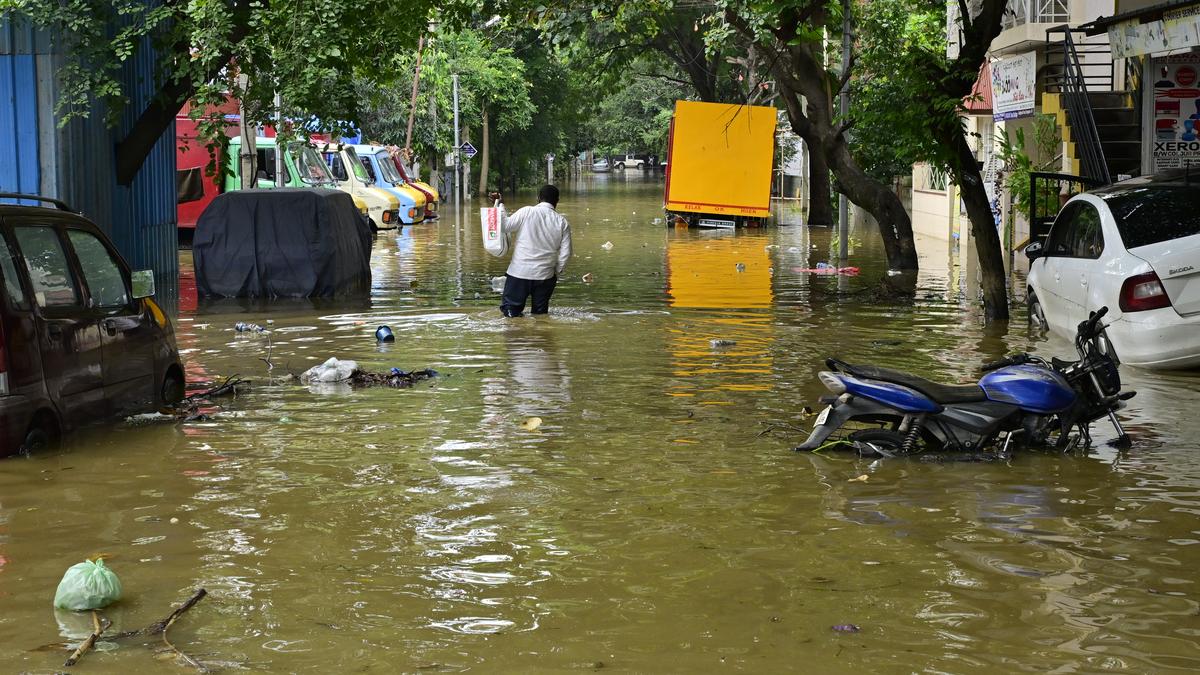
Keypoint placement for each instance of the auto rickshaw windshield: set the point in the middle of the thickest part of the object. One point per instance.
(311, 168)
(388, 168)
(356, 166)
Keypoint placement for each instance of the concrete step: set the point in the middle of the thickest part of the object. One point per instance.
(1115, 116)
(1122, 150)
(1108, 99)
(1118, 132)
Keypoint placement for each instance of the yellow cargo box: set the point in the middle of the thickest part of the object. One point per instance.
(719, 159)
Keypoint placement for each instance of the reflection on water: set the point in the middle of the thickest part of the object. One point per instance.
(648, 524)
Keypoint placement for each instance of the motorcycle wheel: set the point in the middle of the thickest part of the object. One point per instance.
(890, 442)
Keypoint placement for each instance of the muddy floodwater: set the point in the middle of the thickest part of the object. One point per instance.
(656, 520)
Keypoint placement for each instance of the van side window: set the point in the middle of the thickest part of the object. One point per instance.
(46, 261)
(370, 170)
(101, 273)
(12, 282)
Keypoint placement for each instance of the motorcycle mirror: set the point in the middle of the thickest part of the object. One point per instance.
(1034, 250)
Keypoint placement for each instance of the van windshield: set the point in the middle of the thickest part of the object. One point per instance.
(309, 165)
(1155, 213)
(388, 167)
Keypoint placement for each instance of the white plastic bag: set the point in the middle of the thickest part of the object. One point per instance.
(494, 239)
(332, 370)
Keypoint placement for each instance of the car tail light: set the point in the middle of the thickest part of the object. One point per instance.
(1142, 292)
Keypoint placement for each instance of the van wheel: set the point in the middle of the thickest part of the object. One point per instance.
(620, 166)
(42, 433)
(171, 392)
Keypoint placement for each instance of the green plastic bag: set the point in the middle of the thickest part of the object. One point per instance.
(88, 585)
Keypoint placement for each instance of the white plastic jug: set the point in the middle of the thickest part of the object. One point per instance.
(494, 239)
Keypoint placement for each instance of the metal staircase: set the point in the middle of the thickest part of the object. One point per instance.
(1104, 126)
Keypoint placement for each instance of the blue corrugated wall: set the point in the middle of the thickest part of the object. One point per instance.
(76, 162)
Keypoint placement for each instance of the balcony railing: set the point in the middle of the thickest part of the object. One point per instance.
(1021, 12)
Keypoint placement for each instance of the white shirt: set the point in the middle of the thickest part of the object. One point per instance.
(543, 242)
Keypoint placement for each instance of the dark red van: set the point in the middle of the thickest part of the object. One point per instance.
(81, 339)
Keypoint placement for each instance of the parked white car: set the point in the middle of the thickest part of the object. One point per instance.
(1133, 247)
(631, 161)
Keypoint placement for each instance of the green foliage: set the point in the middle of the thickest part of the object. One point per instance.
(1018, 164)
(305, 51)
(637, 117)
(488, 77)
(890, 131)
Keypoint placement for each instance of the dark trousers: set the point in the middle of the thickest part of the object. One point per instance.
(516, 290)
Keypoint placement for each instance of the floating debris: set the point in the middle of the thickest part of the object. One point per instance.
(385, 334)
(531, 423)
(719, 343)
(587, 278)
(607, 246)
(741, 267)
(845, 628)
(243, 327)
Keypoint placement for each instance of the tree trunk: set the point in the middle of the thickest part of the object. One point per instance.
(484, 157)
(895, 226)
(820, 208)
(983, 228)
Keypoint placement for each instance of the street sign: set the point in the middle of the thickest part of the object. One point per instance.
(468, 150)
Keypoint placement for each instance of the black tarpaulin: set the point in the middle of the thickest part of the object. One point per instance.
(281, 243)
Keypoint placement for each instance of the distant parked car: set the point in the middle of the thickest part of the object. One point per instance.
(632, 161)
(81, 339)
(600, 166)
(1135, 248)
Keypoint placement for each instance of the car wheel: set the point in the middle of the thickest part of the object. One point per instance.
(42, 434)
(171, 392)
(1037, 318)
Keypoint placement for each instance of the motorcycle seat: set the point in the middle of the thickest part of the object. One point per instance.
(939, 393)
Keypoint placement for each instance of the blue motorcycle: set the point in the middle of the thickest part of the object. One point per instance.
(1020, 399)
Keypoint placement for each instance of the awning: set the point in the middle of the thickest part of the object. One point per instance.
(979, 102)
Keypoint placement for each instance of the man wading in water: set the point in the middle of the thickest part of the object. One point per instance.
(540, 252)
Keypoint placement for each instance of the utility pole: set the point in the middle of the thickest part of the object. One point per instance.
(843, 206)
(457, 174)
(412, 104)
(248, 133)
(279, 182)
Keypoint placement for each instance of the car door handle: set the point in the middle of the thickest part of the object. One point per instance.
(110, 327)
(1083, 280)
(55, 331)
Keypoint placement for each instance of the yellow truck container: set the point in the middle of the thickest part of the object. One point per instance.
(719, 162)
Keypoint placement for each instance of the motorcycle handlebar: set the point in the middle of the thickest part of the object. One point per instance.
(1089, 327)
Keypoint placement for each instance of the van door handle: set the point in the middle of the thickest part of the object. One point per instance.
(1083, 280)
(110, 327)
(55, 331)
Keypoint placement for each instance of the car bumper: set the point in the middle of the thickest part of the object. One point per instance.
(1158, 339)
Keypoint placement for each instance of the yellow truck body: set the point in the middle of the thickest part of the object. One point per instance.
(720, 159)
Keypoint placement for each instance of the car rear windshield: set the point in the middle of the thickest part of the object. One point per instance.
(1157, 213)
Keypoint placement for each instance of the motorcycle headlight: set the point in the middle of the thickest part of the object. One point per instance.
(832, 382)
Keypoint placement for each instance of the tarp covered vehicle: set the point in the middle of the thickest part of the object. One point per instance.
(284, 243)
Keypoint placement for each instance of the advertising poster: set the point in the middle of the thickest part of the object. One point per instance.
(1176, 111)
(1013, 82)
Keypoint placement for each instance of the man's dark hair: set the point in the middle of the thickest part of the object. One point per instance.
(548, 194)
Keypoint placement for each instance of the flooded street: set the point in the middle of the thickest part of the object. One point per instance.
(656, 521)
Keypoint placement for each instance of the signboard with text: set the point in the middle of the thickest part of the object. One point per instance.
(1013, 90)
(1176, 111)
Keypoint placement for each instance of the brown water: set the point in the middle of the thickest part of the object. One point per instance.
(648, 525)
